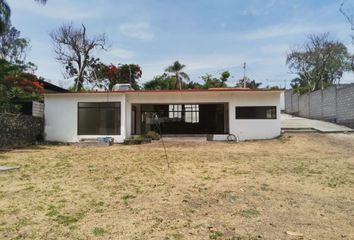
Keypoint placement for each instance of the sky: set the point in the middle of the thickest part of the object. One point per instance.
(208, 36)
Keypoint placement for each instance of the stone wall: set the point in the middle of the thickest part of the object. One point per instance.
(334, 104)
(19, 130)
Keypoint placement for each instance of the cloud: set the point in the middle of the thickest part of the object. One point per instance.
(275, 49)
(116, 54)
(290, 29)
(65, 10)
(139, 30)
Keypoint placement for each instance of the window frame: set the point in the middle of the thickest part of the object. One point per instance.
(119, 106)
(262, 118)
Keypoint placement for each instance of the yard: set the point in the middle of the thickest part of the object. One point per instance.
(297, 184)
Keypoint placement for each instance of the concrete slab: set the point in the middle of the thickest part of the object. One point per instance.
(5, 168)
(291, 123)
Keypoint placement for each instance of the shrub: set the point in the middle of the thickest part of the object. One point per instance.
(153, 135)
(137, 140)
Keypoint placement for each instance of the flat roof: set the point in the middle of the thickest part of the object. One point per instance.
(172, 91)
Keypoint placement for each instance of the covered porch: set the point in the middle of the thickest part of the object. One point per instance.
(180, 119)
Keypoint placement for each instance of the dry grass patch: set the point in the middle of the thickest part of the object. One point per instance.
(251, 190)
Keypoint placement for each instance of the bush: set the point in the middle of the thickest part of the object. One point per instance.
(153, 135)
(137, 140)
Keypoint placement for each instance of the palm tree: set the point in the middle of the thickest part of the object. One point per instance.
(176, 69)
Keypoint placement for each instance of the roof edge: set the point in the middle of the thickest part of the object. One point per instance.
(171, 91)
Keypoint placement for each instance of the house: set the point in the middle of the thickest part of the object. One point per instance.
(36, 108)
(50, 87)
(246, 113)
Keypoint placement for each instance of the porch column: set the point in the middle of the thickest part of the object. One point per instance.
(123, 130)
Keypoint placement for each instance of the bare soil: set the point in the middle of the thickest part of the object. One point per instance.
(298, 184)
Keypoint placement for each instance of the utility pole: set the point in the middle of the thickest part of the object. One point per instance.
(244, 75)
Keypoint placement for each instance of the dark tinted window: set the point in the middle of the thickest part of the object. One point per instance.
(256, 112)
(99, 118)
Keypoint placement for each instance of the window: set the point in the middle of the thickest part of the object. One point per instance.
(175, 111)
(99, 118)
(256, 112)
(191, 114)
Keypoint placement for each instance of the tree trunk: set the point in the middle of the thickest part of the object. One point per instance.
(179, 81)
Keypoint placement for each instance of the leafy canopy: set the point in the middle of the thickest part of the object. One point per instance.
(318, 64)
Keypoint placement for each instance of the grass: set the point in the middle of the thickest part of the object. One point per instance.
(98, 231)
(249, 213)
(250, 190)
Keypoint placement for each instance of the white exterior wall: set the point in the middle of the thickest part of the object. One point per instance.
(61, 115)
(282, 101)
(245, 129)
(61, 111)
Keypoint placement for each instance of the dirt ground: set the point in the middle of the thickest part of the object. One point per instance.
(299, 184)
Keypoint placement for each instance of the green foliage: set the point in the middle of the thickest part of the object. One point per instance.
(5, 13)
(319, 63)
(176, 68)
(140, 139)
(126, 73)
(63, 219)
(212, 82)
(106, 76)
(127, 197)
(99, 232)
(215, 235)
(160, 82)
(252, 84)
(166, 82)
(12, 47)
(250, 213)
(15, 85)
(153, 135)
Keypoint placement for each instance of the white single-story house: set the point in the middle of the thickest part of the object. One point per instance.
(246, 113)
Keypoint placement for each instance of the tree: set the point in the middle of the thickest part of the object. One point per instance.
(16, 85)
(5, 13)
(176, 68)
(109, 75)
(74, 49)
(127, 73)
(349, 16)
(212, 82)
(161, 82)
(319, 63)
(252, 84)
(166, 82)
(13, 48)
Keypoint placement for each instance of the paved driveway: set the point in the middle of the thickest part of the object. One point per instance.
(292, 123)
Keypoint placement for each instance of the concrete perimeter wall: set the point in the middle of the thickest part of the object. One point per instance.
(334, 104)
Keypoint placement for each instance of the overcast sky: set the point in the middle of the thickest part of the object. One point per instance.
(208, 36)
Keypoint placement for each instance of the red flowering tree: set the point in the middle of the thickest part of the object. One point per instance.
(110, 75)
(27, 82)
